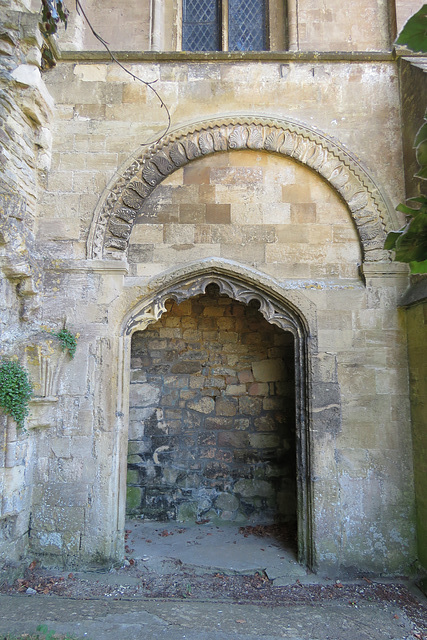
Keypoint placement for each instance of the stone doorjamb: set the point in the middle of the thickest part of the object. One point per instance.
(288, 309)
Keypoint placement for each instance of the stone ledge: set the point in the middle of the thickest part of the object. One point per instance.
(385, 270)
(230, 56)
(86, 266)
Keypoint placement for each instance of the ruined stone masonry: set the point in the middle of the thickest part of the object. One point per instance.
(242, 350)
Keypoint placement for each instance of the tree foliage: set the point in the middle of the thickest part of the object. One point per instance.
(410, 242)
(414, 33)
(53, 12)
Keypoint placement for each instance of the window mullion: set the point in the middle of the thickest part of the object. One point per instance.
(224, 25)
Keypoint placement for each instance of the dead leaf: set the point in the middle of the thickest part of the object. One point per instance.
(241, 621)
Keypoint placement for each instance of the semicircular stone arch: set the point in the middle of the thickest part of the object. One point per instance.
(118, 208)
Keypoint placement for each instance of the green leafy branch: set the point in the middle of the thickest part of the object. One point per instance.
(410, 242)
(414, 33)
(15, 390)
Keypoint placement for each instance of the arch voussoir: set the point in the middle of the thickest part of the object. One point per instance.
(115, 214)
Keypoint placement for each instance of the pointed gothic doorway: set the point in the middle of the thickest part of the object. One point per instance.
(216, 421)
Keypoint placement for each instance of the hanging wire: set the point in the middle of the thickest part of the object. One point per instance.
(163, 105)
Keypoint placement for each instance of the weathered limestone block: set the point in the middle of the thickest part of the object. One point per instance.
(268, 370)
(227, 502)
(203, 405)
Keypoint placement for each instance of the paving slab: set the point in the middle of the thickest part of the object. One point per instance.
(222, 548)
(159, 548)
(136, 620)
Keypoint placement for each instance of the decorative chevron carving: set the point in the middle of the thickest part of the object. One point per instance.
(110, 233)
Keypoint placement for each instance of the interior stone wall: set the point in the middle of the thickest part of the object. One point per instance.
(212, 415)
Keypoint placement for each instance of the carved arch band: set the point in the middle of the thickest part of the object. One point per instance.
(121, 203)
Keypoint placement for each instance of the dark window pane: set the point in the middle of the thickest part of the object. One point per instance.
(247, 29)
(201, 25)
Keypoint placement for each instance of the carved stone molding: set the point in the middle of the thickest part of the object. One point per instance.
(117, 210)
(288, 310)
(155, 307)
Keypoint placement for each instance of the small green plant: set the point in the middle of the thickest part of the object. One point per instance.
(68, 341)
(50, 634)
(43, 628)
(15, 390)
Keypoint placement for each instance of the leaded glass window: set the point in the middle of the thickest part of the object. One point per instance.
(201, 25)
(246, 25)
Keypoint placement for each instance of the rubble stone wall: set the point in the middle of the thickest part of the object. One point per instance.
(212, 416)
(25, 118)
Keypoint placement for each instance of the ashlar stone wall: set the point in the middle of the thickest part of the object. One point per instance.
(417, 347)
(212, 415)
(250, 207)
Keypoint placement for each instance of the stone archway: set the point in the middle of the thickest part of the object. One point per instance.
(279, 308)
(212, 417)
(124, 197)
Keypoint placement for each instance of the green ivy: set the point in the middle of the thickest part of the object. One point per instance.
(15, 390)
(68, 341)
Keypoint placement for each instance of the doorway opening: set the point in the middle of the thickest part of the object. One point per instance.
(212, 418)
